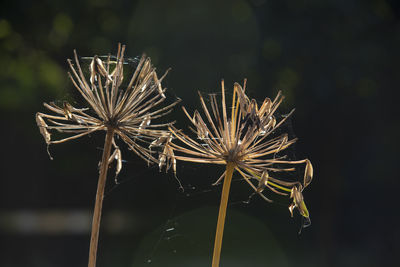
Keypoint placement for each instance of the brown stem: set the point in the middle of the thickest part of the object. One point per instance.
(222, 213)
(94, 239)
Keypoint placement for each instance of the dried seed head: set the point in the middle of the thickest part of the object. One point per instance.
(127, 111)
(246, 136)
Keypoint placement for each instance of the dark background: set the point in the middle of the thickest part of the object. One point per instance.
(337, 63)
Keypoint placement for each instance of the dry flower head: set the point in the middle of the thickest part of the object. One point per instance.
(242, 137)
(126, 108)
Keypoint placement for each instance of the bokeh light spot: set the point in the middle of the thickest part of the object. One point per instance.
(63, 24)
(62, 27)
(51, 74)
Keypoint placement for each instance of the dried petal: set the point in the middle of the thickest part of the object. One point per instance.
(308, 173)
(67, 110)
(165, 138)
(270, 125)
(116, 155)
(161, 160)
(171, 157)
(97, 68)
(43, 128)
(100, 67)
(262, 182)
(298, 202)
(291, 208)
(244, 101)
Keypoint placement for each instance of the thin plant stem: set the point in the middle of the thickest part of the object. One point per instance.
(222, 214)
(94, 239)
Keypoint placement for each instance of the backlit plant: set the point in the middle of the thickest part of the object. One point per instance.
(244, 140)
(120, 107)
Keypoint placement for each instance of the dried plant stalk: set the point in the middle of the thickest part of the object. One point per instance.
(94, 239)
(126, 113)
(230, 167)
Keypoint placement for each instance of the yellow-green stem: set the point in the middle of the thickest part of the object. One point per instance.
(222, 214)
(94, 239)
